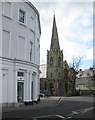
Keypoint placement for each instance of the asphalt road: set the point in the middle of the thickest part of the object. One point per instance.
(66, 108)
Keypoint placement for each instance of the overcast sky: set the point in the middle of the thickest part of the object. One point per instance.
(75, 29)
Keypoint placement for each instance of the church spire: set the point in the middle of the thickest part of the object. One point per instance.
(54, 39)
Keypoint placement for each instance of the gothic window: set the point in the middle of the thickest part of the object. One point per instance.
(45, 85)
(51, 75)
(47, 73)
(59, 75)
(59, 61)
(66, 87)
(51, 61)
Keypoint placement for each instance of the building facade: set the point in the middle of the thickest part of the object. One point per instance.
(58, 79)
(85, 81)
(20, 57)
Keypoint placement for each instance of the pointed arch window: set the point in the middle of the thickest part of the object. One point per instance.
(59, 61)
(51, 61)
(59, 75)
(51, 75)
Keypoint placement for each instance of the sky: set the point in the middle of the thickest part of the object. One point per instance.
(74, 25)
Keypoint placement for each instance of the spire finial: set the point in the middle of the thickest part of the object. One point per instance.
(54, 12)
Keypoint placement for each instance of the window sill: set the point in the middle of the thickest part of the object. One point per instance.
(22, 24)
(7, 16)
(32, 30)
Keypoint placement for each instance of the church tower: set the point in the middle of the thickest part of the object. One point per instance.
(55, 64)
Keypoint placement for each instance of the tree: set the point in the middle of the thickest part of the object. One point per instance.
(75, 63)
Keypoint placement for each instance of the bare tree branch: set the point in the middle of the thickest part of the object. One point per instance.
(76, 62)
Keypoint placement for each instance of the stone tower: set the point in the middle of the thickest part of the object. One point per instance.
(55, 64)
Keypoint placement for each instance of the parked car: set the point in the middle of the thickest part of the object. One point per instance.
(44, 94)
(41, 95)
(48, 94)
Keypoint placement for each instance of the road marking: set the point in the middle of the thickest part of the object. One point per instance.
(70, 114)
(35, 118)
(60, 116)
(86, 110)
(59, 100)
(68, 117)
(44, 116)
(76, 112)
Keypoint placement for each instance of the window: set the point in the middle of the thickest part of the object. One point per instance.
(21, 16)
(45, 85)
(51, 75)
(59, 75)
(59, 61)
(32, 23)
(20, 74)
(80, 75)
(6, 43)
(87, 74)
(37, 39)
(21, 47)
(31, 44)
(51, 61)
(7, 9)
(47, 74)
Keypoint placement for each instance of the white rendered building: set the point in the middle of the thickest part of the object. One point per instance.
(85, 80)
(20, 56)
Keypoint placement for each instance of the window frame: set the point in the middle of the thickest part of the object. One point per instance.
(4, 14)
(31, 50)
(20, 74)
(51, 61)
(23, 23)
(20, 36)
(9, 45)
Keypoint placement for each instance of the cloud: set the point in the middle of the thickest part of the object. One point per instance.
(85, 20)
(62, 0)
(90, 54)
(75, 28)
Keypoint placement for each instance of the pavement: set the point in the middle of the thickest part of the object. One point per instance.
(44, 102)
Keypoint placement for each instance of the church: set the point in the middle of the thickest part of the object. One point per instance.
(59, 78)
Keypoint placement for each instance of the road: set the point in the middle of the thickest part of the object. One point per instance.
(65, 108)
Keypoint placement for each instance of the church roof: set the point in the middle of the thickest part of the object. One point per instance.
(54, 38)
(65, 65)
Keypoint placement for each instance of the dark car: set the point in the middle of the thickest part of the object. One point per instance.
(42, 94)
(48, 94)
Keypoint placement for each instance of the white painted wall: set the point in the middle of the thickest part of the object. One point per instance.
(85, 73)
(82, 87)
(0, 59)
(16, 51)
